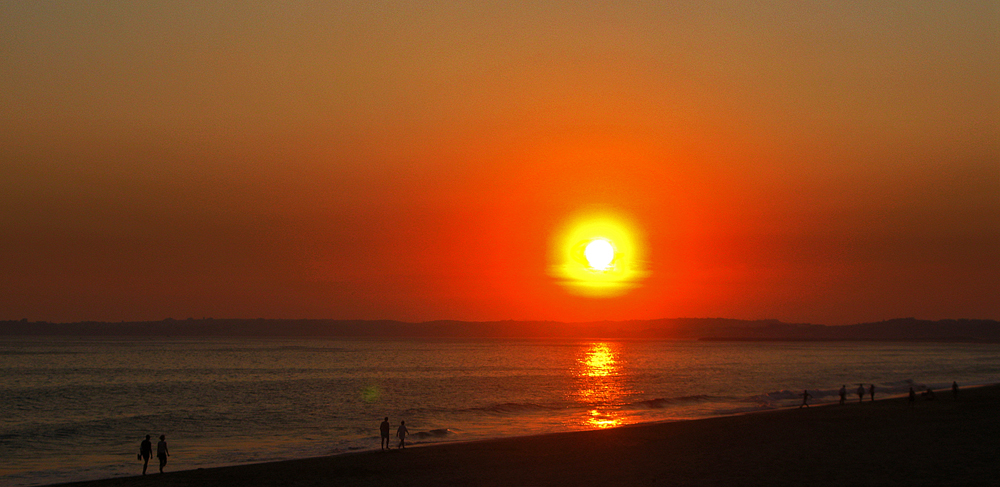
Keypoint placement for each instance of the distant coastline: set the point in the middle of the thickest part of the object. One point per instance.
(706, 329)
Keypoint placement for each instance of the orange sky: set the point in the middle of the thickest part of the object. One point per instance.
(830, 163)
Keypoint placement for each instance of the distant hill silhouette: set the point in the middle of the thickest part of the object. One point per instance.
(906, 329)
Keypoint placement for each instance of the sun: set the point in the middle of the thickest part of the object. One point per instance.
(599, 254)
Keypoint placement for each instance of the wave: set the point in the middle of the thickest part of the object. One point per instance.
(512, 407)
(775, 396)
(785, 397)
(904, 385)
(435, 433)
(742, 410)
(891, 388)
(663, 402)
(507, 408)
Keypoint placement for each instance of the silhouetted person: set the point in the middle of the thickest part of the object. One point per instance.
(401, 434)
(161, 452)
(861, 392)
(384, 429)
(871, 391)
(954, 389)
(145, 452)
(843, 394)
(805, 399)
(913, 396)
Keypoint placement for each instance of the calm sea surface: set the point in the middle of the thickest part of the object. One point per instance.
(76, 409)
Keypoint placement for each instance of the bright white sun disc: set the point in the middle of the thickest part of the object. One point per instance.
(599, 254)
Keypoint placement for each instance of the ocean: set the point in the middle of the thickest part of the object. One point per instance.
(76, 409)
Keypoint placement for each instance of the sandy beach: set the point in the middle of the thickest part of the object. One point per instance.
(888, 442)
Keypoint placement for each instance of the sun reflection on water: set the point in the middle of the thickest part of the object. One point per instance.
(600, 361)
(602, 385)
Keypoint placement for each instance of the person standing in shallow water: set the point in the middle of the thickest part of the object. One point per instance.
(871, 391)
(805, 399)
(161, 452)
(954, 389)
(843, 394)
(401, 434)
(384, 430)
(861, 392)
(145, 451)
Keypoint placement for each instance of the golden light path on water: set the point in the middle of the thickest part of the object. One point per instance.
(598, 255)
(601, 385)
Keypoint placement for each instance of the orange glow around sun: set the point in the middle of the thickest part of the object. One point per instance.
(598, 255)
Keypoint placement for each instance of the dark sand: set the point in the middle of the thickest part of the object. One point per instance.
(941, 442)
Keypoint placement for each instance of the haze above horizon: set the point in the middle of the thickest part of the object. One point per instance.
(813, 163)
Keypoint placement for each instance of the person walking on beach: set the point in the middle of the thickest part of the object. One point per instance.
(843, 394)
(401, 434)
(805, 399)
(161, 452)
(954, 389)
(913, 396)
(384, 429)
(871, 391)
(145, 452)
(861, 392)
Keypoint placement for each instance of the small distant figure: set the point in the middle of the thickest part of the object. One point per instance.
(954, 389)
(805, 399)
(145, 452)
(384, 429)
(861, 393)
(401, 434)
(871, 391)
(913, 396)
(843, 394)
(161, 451)
(928, 394)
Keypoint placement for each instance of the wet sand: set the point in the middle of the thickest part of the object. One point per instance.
(888, 442)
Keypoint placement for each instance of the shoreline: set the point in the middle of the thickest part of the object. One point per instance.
(886, 442)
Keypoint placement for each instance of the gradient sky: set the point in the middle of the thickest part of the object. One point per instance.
(828, 162)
